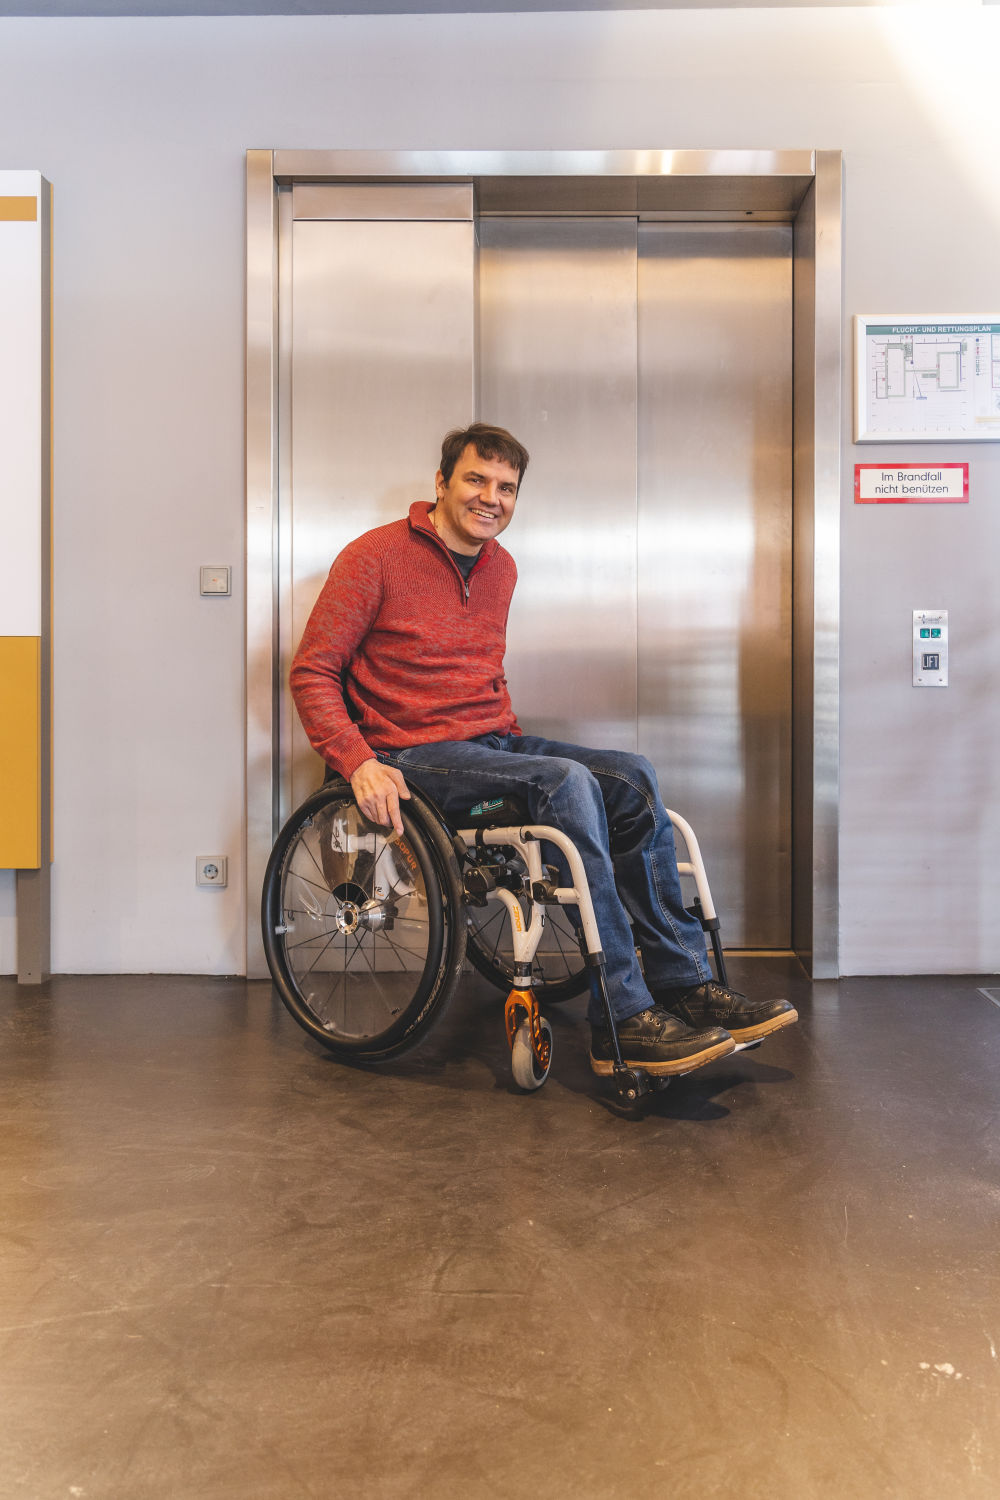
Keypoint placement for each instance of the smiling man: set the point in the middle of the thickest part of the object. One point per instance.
(400, 678)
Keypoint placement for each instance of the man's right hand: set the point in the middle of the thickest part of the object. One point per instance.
(377, 790)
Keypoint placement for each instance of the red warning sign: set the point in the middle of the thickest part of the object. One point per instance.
(911, 484)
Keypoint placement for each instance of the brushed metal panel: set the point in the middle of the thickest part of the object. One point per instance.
(804, 598)
(829, 190)
(380, 200)
(321, 166)
(639, 195)
(382, 365)
(558, 367)
(818, 241)
(262, 685)
(818, 326)
(286, 718)
(714, 547)
(723, 191)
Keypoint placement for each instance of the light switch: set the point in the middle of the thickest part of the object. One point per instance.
(215, 580)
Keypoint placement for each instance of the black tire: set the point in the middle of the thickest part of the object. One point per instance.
(558, 972)
(363, 931)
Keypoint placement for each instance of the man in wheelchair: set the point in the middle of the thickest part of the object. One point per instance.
(400, 678)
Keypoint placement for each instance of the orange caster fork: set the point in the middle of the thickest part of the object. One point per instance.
(530, 1039)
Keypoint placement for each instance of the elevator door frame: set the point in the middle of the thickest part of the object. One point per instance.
(804, 188)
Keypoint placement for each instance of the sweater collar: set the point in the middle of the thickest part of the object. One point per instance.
(420, 520)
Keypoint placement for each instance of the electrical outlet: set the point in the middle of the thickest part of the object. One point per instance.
(211, 869)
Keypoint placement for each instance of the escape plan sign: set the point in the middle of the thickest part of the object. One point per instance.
(911, 484)
(936, 380)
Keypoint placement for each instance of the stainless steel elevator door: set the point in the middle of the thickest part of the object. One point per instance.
(647, 367)
(715, 550)
(557, 366)
(380, 353)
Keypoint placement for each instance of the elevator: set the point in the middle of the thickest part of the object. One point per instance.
(649, 356)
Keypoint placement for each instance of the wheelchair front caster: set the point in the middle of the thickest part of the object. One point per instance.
(530, 1038)
(529, 1073)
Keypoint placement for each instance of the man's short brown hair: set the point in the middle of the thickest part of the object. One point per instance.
(489, 442)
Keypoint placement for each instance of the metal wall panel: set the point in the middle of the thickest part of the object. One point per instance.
(558, 367)
(818, 320)
(382, 359)
(383, 200)
(714, 533)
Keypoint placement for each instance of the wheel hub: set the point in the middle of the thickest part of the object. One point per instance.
(369, 916)
(347, 917)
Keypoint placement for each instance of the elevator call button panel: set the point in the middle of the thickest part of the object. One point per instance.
(930, 648)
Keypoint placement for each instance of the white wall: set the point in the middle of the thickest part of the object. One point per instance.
(142, 124)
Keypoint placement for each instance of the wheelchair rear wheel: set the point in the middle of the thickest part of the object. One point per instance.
(362, 929)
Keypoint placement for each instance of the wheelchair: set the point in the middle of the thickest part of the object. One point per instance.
(366, 932)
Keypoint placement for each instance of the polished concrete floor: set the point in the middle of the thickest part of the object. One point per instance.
(234, 1268)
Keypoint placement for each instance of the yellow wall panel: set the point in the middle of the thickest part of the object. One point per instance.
(18, 210)
(20, 752)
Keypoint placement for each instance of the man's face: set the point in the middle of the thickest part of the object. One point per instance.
(476, 503)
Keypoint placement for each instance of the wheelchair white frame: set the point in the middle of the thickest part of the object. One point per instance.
(524, 891)
(528, 1033)
(526, 838)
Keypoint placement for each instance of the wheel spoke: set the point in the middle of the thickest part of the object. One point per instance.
(314, 937)
(297, 911)
(556, 965)
(320, 953)
(498, 919)
(397, 949)
(338, 979)
(304, 844)
(325, 888)
(358, 948)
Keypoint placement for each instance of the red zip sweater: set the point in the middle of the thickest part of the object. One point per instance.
(399, 651)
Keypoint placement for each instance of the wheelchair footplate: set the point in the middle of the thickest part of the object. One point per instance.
(631, 1084)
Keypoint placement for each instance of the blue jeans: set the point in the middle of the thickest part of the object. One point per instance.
(608, 803)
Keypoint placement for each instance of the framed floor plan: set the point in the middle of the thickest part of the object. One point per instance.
(927, 379)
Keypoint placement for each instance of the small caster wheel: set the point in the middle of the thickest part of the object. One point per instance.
(524, 1064)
